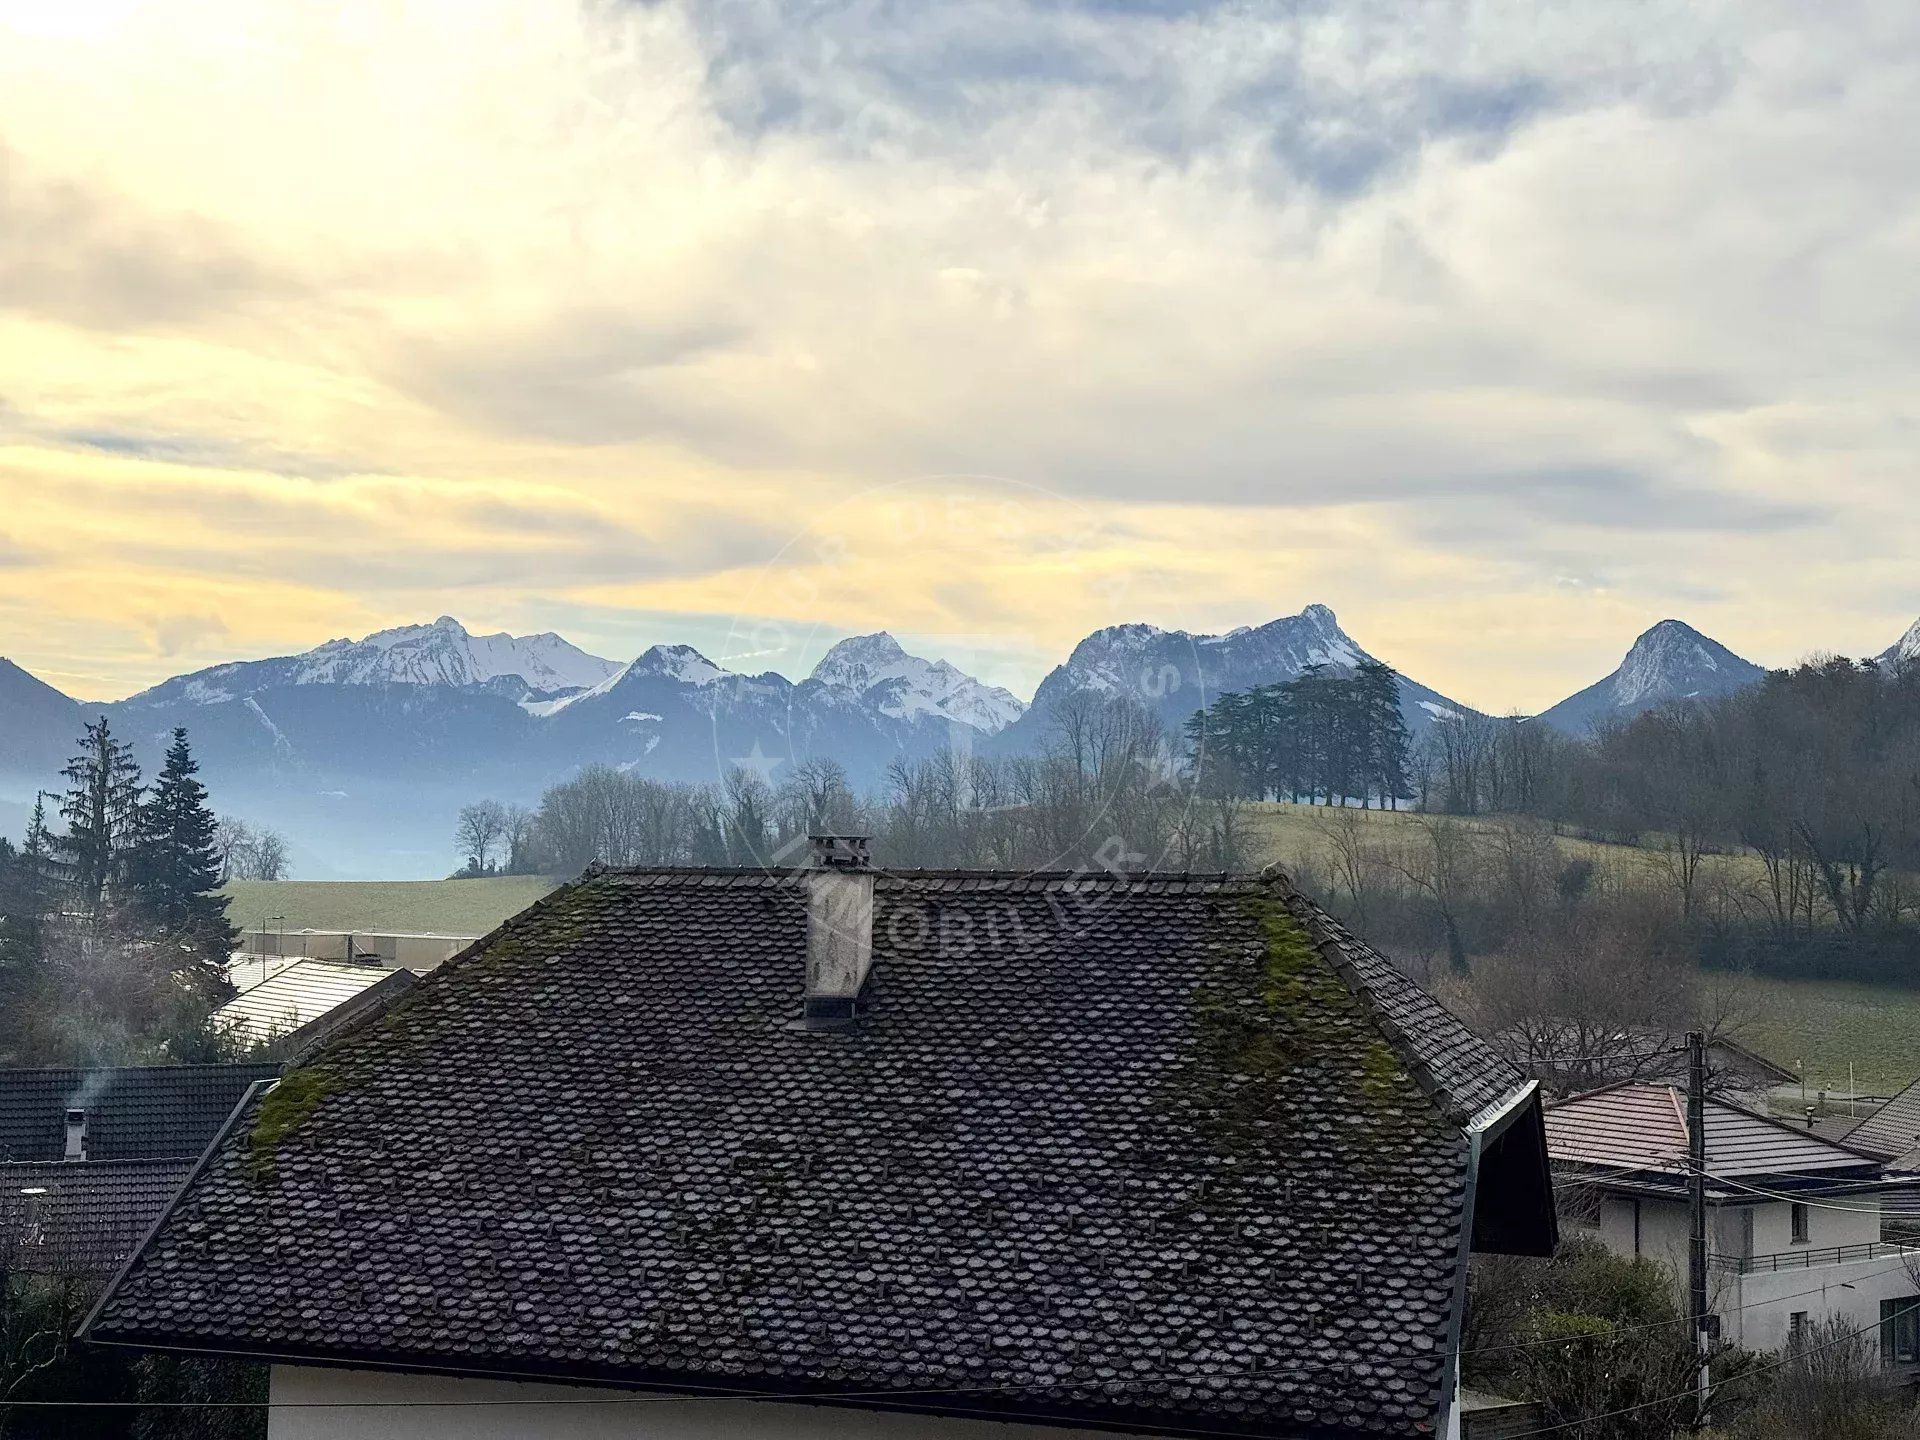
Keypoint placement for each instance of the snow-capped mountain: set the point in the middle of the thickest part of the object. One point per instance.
(907, 687)
(1175, 672)
(1672, 661)
(1905, 650)
(441, 654)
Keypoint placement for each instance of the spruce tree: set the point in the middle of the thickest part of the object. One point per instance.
(102, 811)
(1388, 743)
(177, 868)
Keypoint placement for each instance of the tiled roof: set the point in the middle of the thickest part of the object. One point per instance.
(133, 1113)
(298, 994)
(1893, 1129)
(1122, 1150)
(1642, 1127)
(81, 1217)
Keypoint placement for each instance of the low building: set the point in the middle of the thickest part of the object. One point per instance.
(89, 1158)
(300, 1002)
(1794, 1220)
(396, 950)
(831, 1152)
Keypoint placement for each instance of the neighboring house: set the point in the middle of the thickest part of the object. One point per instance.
(1794, 1220)
(1892, 1131)
(888, 1155)
(393, 949)
(303, 1001)
(1572, 1060)
(89, 1158)
(81, 1217)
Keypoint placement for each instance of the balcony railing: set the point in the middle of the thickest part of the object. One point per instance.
(1807, 1257)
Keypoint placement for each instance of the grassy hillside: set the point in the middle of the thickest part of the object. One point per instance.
(435, 907)
(1816, 1026)
(1825, 1024)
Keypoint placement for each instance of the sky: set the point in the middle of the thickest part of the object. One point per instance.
(1506, 330)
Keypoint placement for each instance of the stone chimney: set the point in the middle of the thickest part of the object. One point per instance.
(76, 1135)
(839, 930)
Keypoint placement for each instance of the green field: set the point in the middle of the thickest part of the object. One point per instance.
(1825, 1024)
(1817, 1027)
(431, 907)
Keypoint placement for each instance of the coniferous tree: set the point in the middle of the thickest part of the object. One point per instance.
(1388, 744)
(177, 864)
(102, 811)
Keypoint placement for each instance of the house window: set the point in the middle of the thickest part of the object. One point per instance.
(1900, 1330)
(1799, 1220)
(1797, 1330)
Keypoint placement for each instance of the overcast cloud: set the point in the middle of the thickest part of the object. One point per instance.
(1506, 330)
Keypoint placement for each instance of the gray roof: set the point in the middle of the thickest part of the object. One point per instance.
(1642, 1127)
(1163, 1152)
(81, 1217)
(135, 1112)
(1893, 1129)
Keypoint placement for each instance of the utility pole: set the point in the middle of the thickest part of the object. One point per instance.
(1697, 1205)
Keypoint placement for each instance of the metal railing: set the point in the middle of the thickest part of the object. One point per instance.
(1807, 1257)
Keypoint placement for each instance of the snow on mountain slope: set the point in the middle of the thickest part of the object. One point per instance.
(441, 654)
(1672, 661)
(1175, 673)
(1905, 650)
(905, 686)
(445, 653)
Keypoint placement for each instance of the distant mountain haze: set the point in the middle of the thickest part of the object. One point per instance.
(362, 751)
(1672, 661)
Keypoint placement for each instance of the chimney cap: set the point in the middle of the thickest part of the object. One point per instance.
(842, 852)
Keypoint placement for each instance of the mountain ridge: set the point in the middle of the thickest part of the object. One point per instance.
(386, 736)
(1670, 661)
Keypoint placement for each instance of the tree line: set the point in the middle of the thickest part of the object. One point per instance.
(1784, 819)
(1106, 791)
(1326, 737)
(114, 941)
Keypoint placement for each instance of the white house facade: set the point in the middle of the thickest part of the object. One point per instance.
(1794, 1221)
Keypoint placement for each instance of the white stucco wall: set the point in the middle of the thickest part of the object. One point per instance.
(1766, 1300)
(420, 1411)
(1756, 1307)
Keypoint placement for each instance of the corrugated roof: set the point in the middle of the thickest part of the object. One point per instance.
(82, 1216)
(1644, 1127)
(1106, 1147)
(133, 1112)
(294, 996)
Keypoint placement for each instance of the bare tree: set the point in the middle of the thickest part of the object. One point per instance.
(481, 828)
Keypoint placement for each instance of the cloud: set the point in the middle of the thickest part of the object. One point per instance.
(74, 254)
(590, 306)
(173, 634)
